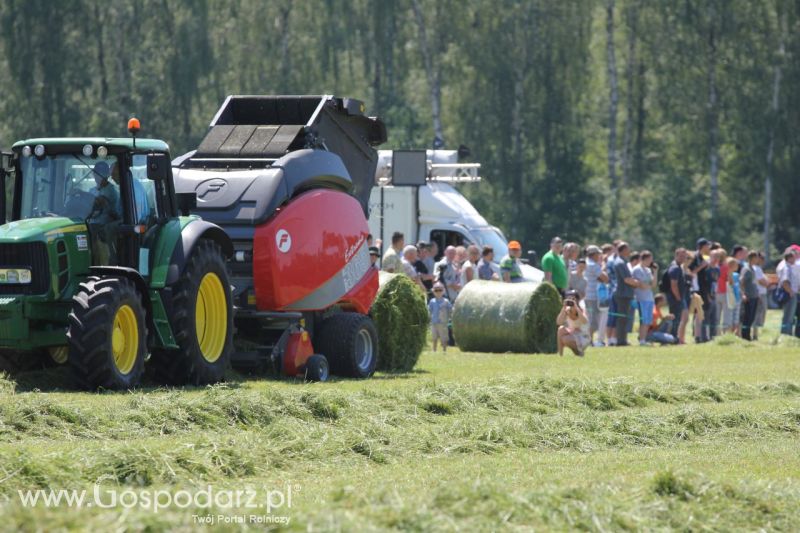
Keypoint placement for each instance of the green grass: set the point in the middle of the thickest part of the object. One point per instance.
(693, 437)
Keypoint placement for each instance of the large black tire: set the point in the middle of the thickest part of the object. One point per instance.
(107, 334)
(350, 342)
(189, 364)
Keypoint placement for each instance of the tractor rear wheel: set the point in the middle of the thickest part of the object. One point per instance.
(202, 321)
(350, 342)
(107, 334)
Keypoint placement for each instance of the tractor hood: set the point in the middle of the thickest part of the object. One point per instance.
(32, 229)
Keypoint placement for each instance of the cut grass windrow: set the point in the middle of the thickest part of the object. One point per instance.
(119, 416)
(221, 433)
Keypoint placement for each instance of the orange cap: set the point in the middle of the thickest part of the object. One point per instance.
(133, 125)
(514, 245)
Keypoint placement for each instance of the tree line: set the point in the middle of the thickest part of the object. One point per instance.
(593, 119)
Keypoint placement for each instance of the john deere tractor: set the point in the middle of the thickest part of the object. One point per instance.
(100, 270)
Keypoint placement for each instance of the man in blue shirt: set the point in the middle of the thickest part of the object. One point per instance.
(623, 293)
(676, 294)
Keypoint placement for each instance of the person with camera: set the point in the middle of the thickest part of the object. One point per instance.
(573, 326)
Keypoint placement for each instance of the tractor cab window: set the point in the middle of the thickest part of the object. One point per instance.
(144, 191)
(71, 186)
(76, 187)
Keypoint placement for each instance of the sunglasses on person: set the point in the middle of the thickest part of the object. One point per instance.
(438, 290)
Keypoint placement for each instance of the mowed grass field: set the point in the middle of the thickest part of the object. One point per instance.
(694, 438)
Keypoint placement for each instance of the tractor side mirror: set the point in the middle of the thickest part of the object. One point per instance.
(158, 167)
(7, 161)
(187, 202)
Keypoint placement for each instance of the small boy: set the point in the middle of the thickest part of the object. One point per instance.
(439, 307)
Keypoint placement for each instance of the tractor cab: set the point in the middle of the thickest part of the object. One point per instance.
(114, 191)
(98, 267)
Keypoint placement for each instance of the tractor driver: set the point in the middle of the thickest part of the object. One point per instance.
(105, 215)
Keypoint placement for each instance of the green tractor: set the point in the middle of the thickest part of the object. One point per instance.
(102, 269)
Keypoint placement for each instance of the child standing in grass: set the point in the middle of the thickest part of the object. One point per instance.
(646, 275)
(734, 295)
(440, 308)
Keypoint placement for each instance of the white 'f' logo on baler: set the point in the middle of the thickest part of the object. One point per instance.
(283, 240)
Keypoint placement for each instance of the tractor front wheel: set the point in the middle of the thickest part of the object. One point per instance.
(202, 321)
(107, 334)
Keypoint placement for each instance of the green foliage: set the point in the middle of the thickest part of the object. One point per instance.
(523, 84)
(401, 317)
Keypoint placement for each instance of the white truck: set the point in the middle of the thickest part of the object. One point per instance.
(418, 198)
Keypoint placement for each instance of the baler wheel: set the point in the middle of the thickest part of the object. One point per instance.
(107, 334)
(350, 342)
(201, 320)
(317, 368)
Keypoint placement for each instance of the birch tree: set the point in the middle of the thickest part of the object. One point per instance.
(613, 99)
(775, 109)
(432, 73)
(713, 109)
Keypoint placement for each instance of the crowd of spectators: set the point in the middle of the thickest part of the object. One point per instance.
(605, 287)
(458, 265)
(705, 289)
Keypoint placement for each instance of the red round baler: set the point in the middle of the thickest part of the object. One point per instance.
(288, 178)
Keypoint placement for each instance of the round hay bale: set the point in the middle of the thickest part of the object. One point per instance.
(400, 313)
(490, 316)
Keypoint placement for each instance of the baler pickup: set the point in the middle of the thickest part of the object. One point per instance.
(252, 132)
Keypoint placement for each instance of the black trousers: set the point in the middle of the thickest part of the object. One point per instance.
(750, 307)
(797, 321)
(711, 319)
(623, 309)
(676, 308)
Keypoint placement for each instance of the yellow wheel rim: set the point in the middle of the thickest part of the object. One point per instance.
(125, 339)
(211, 317)
(59, 354)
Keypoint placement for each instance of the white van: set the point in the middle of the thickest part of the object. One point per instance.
(427, 206)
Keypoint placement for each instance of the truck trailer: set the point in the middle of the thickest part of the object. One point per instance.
(419, 198)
